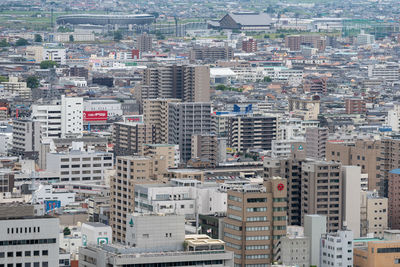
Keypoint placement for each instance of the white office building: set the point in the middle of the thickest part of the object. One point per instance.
(45, 192)
(337, 249)
(95, 233)
(29, 241)
(180, 196)
(80, 165)
(71, 116)
(113, 107)
(55, 52)
(352, 198)
(314, 228)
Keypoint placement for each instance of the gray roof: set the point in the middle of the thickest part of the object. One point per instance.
(251, 19)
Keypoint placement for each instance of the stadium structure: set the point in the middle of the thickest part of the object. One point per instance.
(103, 20)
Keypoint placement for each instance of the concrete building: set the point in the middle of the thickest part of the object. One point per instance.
(351, 198)
(251, 132)
(26, 138)
(374, 214)
(394, 199)
(94, 233)
(315, 85)
(305, 109)
(337, 249)
(314, 228)
(322, 192)
(113, 107)
(365, 39)
(214, 53)
(316, 139)
(189, 83)
(186, 120)
(294, 249)
(293, 42)
(205, 148)
(256, 220)
(384, 72)
(55, 52)
(80, 165)
(6, 181)
(155, 239)
(131, 170)
(61, 119)
(249, 46)
(363, 153)
(169, 152)
(377, 253)
(45, 192)
(28, 240)
(155, 112)
(16, 88)
(355, 106)
(144, 43)
(180, 196)
(129, 137)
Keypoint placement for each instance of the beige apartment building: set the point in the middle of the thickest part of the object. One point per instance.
(205, 148)
(167, 151)
(128, 138)
(155, 112)
(321, 192)
(256, 220)
(363, 153)
(306, 109)
(374, 214)
(130, 170)
(15, 87)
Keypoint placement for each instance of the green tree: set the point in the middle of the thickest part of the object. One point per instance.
(71, 38)
(66, 231)
(221, 87)
(47, 64)
(32, 82)
(267, 79)
(281, 35)
(38, 38)
(3, 79)
(3, 43)
(21, 42)
(117, 36)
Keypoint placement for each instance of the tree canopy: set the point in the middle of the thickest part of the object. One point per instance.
(47, 64)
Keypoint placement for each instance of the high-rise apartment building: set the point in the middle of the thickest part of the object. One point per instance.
(129, 137)
(189, 83)
(186, 120)
(155, 112)
(26, 139)
(130, 170)
(249, 46)
(256, 220)
(321, 192)
(363, 153)
(144, 43)
(293, 42)
(251, 132)
(315, 85)
(205, 148)
(306, 109)
(316, 138)
(169, 152)
(394, 199)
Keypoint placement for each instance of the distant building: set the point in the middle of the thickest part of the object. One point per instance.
(355, 106)
(26, 138)
(374, 214)
(294, 250)
(316, 138)
(248, 21)
(211, 53)
(394, 199)
(144, 43)
(314, 228)
(377, 253)
(315, 85)
(205, 148)
(293, 42)
(306, 109)
(16, 88)
(249, 46)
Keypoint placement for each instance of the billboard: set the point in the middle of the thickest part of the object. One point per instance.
(99, 115)
(133, 118)
(50, 205)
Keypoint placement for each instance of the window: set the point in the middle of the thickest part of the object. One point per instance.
(260, 209)
(234, 217)
(27, 253)
(232, 207)
(10, 254)
(234, 198)
(36, 253)
(256, 200)
(45, 252)
(257, 219)
(18, 254)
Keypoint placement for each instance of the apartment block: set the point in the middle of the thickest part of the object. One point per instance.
(155, 112)
(211, 53)
(129, 137)
(316, 138)
(205, 148)
(394, 199)
(315, 85)
(374, 214)
(321, 192)
(189, 83)
(251, 132)
(16, 88)
(169, 152)
(363, 153)
(256, 220)
(293, 42)
(26, 138)
(294, 248)
(389, 160)
(249, 46)
(144, 43)
(186, 120)
(130, 170)
(355, 106)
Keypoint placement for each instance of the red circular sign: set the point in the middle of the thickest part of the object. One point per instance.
(280, 187)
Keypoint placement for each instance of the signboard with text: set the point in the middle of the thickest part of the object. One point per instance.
(100, 115)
